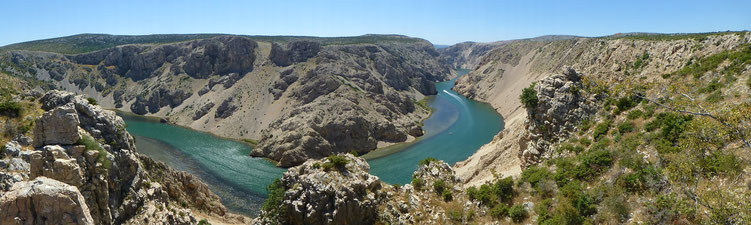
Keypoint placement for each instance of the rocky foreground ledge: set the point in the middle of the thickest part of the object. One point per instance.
(82, 168)
(340, 190)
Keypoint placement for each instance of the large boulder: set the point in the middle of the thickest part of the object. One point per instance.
(44, 201)
(58, 126)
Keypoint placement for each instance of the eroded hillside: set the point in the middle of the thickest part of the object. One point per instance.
(299, 97)
(655, 130)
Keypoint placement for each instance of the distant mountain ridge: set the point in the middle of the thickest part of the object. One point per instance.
(85, 43)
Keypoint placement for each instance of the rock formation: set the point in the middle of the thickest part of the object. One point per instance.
(317, 194)
(89, 173)
(44, 201)
(560, 107)
(339, 190)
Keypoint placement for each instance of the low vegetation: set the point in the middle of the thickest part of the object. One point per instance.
(335, 162)
(93, 144)
(273, 208)
(529, 97)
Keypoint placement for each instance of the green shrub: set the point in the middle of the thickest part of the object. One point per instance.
(427, 161)
(439, 186)
(571, 147)
(626, 103)
(616, 206)
(534, 175)
(456, 215)
(667, 208)
(673, 125)
(585, 125)
(565, 213)
(472, 193)
(418, 183)
(447, 195)
(713, 85)
(273, 207)
(92, 144)
(565, 170)
(542, 209)
(721, 163)
(490, 194)
(517, 213)
(335, 161)
(592, 164)
(91, 101)
(638, 181)
(715, 97)
(601, 144)
(504, 189)
(634, 114)
(529, 97)
(11, 109)
(499, 211)
(583, 202)
(204, 222)
(601, 129)
(585, 141)
(626, 127)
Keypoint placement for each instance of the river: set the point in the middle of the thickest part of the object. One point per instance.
(455, 130)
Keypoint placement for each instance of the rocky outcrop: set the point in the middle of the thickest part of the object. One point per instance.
(199, 58)
(561, 105)
(53, 162)
(322, 192)
(322, 128)
(44, 201)
(294, 52)
(108, 181)
(59, 126)
(339, 190)
(226, 108)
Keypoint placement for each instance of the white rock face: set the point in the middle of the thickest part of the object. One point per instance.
(58, 126)
(561, 106)
(345, 195)
(44, 201)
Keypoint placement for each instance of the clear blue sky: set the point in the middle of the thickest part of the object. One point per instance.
(441, 22)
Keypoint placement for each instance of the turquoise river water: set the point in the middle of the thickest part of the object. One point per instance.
(456, 129)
